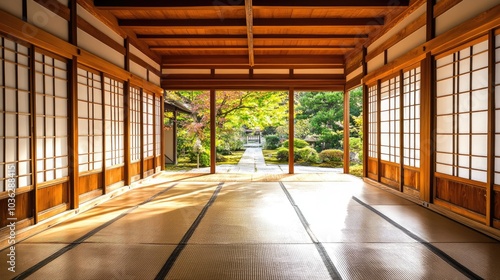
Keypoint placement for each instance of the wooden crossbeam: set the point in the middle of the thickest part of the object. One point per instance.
(260, 22)
(158, 4)
(255, 47)
(223, 37)
(211, 61)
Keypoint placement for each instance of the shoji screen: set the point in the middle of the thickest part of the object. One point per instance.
(15, 136)
(389, 120)
(497, 111)
(147, 120)
(51, 88)
(411, 124)
(372, 122)
(462, 113)
(90, 121)
(114, 122)
(135, 124)
(158, 126)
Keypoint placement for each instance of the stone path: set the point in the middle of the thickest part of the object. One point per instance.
(253, 161)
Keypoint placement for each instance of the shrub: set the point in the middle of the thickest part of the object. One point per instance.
(297, 144)
(333, 157)
(204, 159)
(220, 157)
(307, 154)
(272, 142)
(282, 154)
(356, 170)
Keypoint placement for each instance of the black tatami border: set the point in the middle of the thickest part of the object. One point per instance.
(440, 253)
(332, 270)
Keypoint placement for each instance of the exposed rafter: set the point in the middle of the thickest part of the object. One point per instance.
(238, 23)
(255, 47)
(211, 61)
(222, 37)
(249, 20)
(158, 4)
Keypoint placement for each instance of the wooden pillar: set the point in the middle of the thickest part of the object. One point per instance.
(365, 116)
(291, 130)
(213, 127)
(174, 140)
(162, 135)
(430, 21)
(126, 115)
(401, 132)
(33, 133)
(426, 129)
(73, 23)
(142, 131)
(73, 133)
(347, 157)
(379, 165)
(490, 202)
(103, 114)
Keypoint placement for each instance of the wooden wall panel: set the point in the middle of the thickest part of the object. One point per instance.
(24, 206)
(496, 211)
(90, 183)
(114, 176)
(390, 174)
(467, 196)
(372, 168)
(135, 169)
(412, 179)
(52, 196)
(148, 164)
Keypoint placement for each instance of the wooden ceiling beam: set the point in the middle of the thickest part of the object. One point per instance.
(210, 4)
(249, 21)
(260, 22)
(255, 47)
(222, 37)
(241, 61)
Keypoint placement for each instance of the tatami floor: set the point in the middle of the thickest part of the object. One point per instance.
(256, 226)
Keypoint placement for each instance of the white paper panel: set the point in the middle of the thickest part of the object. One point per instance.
(40, 149)
(10, 100)
(444, 72)
(82, 167)
(83, 128)
(49, 147)
(61, 88)
(24, 126)
(61, 146)
(480, 122)
(464, 161)
(480, 163)
(464, 83)
(49, 164)
(464, 123)
(479, 145)
(479, 176)
(49, 127)
(24, 181)
(464, 144)
(445, 169)
(23, 101)
(497, 92)
(49, 175)
(24, 149)
(49, 106)
(480, 100)
(464, 66)
(465, 53)
(444, 87)
(83, 146)
(10, 125)
(49, 85)
(40, 164)
(497, 178)
(23, 78)
(444, 143)
(444, 158)
(463, 173)
(40, 177)
(444, 124)
(82, 91)
(444, 105)
(480, 79)
(480, 61)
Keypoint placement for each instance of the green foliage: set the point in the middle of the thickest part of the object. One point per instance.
(333, 157)
(272, 142)
(282, 154)
(356, 170)
(307, 154)
(297, 143)
(220, 158)
(204, 158)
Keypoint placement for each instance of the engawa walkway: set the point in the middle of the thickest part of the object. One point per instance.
(304, 226)
(253, 161)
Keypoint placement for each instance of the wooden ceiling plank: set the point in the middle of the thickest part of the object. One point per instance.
(158, 4)
(214, 60)
(249, 22)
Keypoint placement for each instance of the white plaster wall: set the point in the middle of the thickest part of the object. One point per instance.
(355, 73)
(47, 20)
(135, 51)
(185, 71)
(138, 70)
(414, 40)
(13, 7)
(271, 71)
(420, 11)
(319, 71)
(91, 44)
(462, 12)
(154, 79)
(99, 25)
(376, 63)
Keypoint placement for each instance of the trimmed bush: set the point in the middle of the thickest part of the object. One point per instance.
(356, 170)
(333, 157)
(204, 159)
(282, 154)
(307, 154)
(272, 142)
(297, 144)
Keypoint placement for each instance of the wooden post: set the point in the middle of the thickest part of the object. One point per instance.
(347, 156)
(73, 133)
(126, 115)
(426, 129)
(379, 155)
(213, 127)
(291, 130)
(33, 133)
(430, 21)
(490, 202)
(175, 136)
(142, 132)
(401, 132)
(365, 116)
(162, 135)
